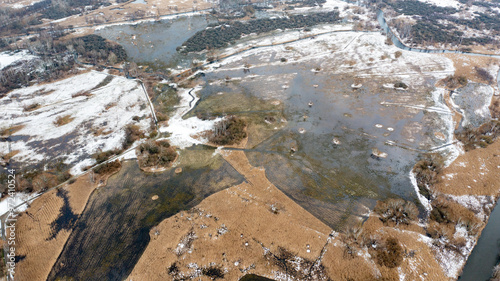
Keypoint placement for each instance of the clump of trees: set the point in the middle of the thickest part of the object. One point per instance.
(430, 28)
(396, 211)
(483, 136)
(229, 131)
(96, 49)
(221, 36)
(156, 154)
(426, 172)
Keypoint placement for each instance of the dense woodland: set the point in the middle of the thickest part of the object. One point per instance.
(222, 35)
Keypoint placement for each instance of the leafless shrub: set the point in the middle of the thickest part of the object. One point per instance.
(495, 276)
(396, 211)
(426, 172)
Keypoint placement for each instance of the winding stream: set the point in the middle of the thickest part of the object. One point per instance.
(485, 254)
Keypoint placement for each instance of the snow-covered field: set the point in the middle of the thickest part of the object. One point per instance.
(8, 58)
(187, 132)
(365, 54)
(474, 101)
(97, 118)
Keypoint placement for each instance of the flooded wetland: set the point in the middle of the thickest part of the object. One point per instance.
(335, 121)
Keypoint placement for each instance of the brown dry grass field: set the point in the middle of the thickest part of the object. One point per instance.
(246, 210)
(465, 65)
(473, 173)
(256, 215)
(34, 228)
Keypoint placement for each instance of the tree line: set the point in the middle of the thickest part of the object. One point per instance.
(220, 36)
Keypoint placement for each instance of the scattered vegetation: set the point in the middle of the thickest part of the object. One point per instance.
(229, 131)
(486, 134)
(353, 240)
(396, 211)
(495, 108)
(297, 268)
(156, 154)
(390, 254)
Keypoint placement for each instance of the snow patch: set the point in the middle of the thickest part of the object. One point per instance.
(8, 58)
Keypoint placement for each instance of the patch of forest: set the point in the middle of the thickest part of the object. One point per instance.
(18, 21)
(222, 35)
(55, 58)
(435, 24)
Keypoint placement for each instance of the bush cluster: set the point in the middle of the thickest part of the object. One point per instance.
(426, 172)
(229, 131)
(156, 154)
(132, 133)
(396, 211)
